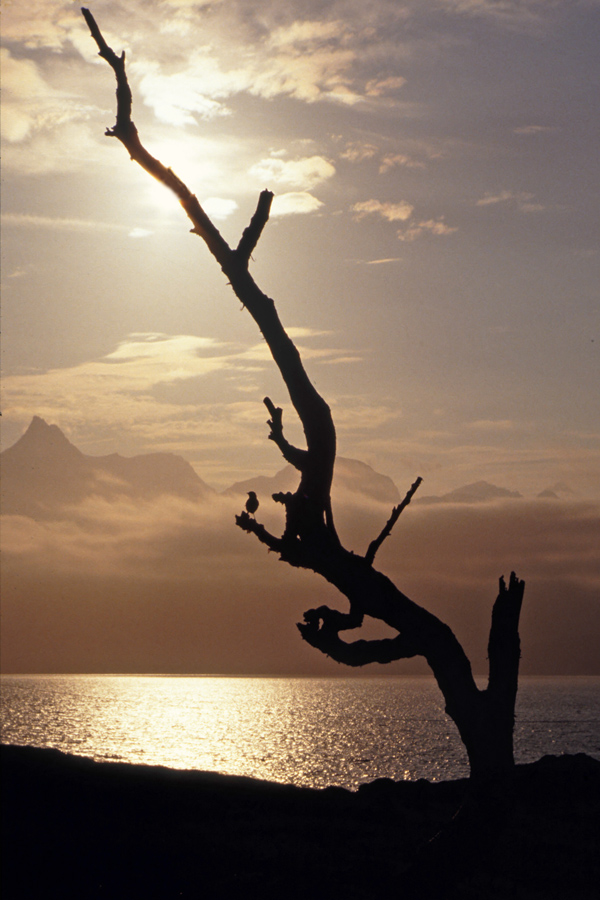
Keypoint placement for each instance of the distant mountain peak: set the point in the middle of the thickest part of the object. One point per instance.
(41, 438)
(477, 492)
(40, 426)
(43, 472)
(352, 475)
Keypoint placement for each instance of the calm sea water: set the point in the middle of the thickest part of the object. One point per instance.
(305, 731)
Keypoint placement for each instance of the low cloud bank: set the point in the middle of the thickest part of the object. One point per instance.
(171, 585)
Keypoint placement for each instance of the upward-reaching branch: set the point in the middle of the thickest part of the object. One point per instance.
(252, 233)
(126, 132)
(312, 509)
(387, 530)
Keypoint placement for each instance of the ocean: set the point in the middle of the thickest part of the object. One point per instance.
(313, 732)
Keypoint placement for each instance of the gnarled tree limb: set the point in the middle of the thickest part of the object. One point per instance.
(484, 718)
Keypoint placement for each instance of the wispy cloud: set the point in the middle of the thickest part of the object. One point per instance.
(532, 129)
(29, 103)
(393, 212)
(359, 151)
(403, 212)
(394, 160)
(379, 87)
(435, 227)
(380, 262)
(179, 98)
(25, 220)
(158, 381)
(514, 14)
(295, 203)
(522, 200)
(219, 207)
(491, 425)
(304, 173)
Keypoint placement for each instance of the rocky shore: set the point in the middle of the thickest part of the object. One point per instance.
(73, 828)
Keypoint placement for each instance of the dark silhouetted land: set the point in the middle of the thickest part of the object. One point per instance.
(73, 828)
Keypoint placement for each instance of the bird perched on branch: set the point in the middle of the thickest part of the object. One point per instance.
(251, 503)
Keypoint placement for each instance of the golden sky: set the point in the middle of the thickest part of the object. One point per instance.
(433, 246)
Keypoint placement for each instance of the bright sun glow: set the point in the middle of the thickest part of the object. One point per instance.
(193, 161)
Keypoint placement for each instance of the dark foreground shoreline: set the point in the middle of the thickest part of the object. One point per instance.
(72, 828)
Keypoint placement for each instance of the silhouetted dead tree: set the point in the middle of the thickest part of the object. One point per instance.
(485, 718)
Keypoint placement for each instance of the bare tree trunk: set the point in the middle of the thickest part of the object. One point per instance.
(485, 718)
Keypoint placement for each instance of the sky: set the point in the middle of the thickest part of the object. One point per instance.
(433, 246)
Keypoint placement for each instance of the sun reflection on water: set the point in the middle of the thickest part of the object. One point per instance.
(311, 731)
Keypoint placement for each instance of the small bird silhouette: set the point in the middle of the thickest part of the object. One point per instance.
(251, 503)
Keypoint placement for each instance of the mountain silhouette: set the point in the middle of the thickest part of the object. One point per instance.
(349, 475)
(557, 491)
(43, 472)
(478, 492)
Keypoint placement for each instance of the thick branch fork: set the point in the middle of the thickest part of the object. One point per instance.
(126, 132)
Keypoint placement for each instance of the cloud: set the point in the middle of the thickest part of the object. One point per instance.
(121, 385)
(177, 99)
(403, 212)
(393, 160)
(358, 151)
(513, 14)
(522, 200)
(305, 173)
(24, 220)
(532, 129)
(435, 227)
(41, 23)
(308, 60)
(379, 87)
(136, 566)
(393, 212)
(491, 425)
(379, 262)
(29, 103)
(140, 232)
(43, 127)
(298, 203)
(219, 208)
(180, 393)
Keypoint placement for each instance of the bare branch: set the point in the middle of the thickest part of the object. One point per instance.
(387, 530)
(291, 454)
(126, 132)
(325, 637)
(252, 233)
(314, 413)
(247, 523)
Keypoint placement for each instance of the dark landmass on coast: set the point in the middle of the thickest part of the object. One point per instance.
(74, 828)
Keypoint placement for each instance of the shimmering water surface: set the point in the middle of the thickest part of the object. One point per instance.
(306, 731)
